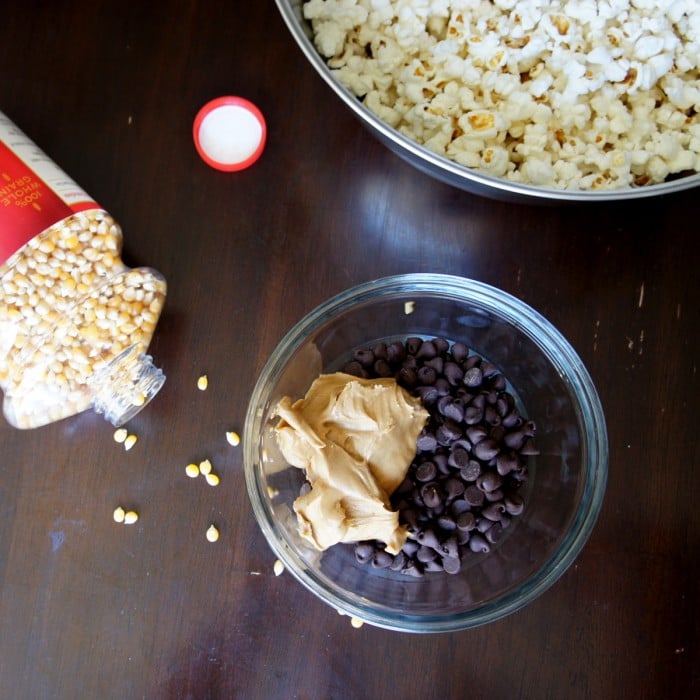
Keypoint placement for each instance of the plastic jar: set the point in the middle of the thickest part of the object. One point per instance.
(75, 321)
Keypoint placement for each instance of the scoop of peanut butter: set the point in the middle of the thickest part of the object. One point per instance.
(355, 439)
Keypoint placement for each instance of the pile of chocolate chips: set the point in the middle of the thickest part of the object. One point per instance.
(462, 489)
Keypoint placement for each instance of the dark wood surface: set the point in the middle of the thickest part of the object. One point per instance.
(89, 609)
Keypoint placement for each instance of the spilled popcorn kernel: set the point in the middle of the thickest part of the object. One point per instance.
(278, 567)
(203, 382)
(233, 438)
(130, 441)
(130, 517)
(119, 515)
(212, 534)
(356, 622)
(192, 470)
(120, 435)
(205, 467)
(212, 479)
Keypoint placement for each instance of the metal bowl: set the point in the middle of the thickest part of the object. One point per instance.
(447, 170)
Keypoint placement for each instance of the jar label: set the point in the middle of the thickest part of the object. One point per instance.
(34, 192)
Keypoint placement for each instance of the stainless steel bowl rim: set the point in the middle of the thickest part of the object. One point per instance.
(451, 172)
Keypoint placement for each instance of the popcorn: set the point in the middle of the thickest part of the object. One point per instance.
(575, 94)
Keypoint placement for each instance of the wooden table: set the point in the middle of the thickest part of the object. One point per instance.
(89, 609)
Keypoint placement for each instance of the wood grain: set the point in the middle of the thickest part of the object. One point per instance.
(93, 610)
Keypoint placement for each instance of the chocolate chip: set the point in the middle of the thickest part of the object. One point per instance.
(450, 547)
(413, 345)
(426, 554)
(381, 559)
(437, 363)
(426, 442)
(434, 565)
(498, 382)
(476, 433)
(506, 462)
(529, 448)
(442, 386)
(364, 552)
(515, 440)
(448, 432)
(491, 416)
(398, 562)
(471, 470)
(427, 471)
(412, 569)
(396, 352)
(407, 377)
(511, 420)
(461, 490)
(494, 511)
(382, 368)
(427, 394)
(459, 457)
(365, 357)
(427, 350)
(466, 521)
(459, 351)
(486, 449)
(354, 368)
(431, 494)
(514, 503)
(494, 496)
(477, 543)
(488, 369)
(426, 375)
(453, 488)
(473, 496)
(489, 481)
(453, 373)
(473, 415)
(440, 459)
(473, 377)
(442, 345)
(452, 565)
(454, 410)
(459, 506)
(446, 523)
(494, 533)
(380, 351)
(410, 547)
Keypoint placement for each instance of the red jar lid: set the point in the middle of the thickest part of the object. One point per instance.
(229, 133)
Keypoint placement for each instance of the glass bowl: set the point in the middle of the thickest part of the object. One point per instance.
(563, 494)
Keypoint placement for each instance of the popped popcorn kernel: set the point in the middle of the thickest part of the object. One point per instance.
(471, 81)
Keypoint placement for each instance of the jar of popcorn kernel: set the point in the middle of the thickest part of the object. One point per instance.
(75, 321)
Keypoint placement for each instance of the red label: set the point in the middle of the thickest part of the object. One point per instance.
(27, 204)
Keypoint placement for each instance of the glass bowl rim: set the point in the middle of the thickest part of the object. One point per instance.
(559, 352)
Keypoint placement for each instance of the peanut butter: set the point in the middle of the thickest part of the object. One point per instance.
(355, 439)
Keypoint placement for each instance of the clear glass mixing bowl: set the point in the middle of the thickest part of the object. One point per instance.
(567, 479)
